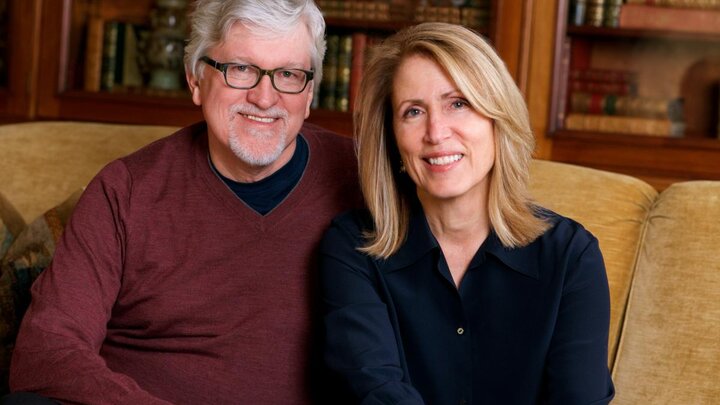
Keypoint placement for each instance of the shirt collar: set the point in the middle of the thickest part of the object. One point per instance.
(420, 241)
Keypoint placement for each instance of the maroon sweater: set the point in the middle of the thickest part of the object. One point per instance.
(167, 287)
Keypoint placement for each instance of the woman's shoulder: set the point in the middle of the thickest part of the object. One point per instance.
(354, 221)
(347, 230)
(563, 228)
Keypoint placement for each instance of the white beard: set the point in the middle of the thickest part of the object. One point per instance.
(263, 147)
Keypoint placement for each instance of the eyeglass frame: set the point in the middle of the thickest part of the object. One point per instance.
(223, 67)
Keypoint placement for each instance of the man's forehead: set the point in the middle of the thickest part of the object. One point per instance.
(261, 46)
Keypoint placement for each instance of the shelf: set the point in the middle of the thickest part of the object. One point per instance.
(348, 24)
(148, 108)
(603, 33)
(660, 161)
(663, 65)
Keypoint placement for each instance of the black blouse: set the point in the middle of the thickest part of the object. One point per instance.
(527, 325)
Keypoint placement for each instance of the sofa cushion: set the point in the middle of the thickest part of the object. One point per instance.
(11, 224)
(611, 206)
(48, 160)
(670, 349)
(26, 258)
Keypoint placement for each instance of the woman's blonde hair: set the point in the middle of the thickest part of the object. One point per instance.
(482, 77)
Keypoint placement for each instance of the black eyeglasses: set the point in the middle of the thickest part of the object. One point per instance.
(244, 77)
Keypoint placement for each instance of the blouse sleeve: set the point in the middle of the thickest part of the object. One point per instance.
(576, 367)
(360, 344)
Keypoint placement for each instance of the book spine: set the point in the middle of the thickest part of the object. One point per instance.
(604, 75)
(611, 13)
(342, 87)
(610, 104)
(109, 54)
(692, 20)
(594, 13)
(577, 12)
(93, 54)
(591, 86)
(330, 65)
(359, 45)
(120, 54)
(624, 125)
(131, 75)
(707, 4)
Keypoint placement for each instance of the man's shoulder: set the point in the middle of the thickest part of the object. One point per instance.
(181, 141)
(319, 137)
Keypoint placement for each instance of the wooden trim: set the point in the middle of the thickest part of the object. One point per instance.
(55, 22)
(17, 100)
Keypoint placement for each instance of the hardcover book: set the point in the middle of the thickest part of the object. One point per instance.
(624, 125)
(691, 20)
(93, 54)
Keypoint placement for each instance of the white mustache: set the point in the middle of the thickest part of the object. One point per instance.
(273, 112)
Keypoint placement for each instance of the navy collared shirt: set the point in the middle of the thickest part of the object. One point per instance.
(527, 325)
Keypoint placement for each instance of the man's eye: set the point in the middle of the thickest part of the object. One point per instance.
(239, 68)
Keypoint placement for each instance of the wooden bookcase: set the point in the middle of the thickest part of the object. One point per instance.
(668, 64)
(47, 69)
(18, 90)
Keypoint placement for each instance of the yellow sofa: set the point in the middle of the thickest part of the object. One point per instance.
(659, 249)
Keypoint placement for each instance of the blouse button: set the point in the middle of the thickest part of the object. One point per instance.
(460, 331)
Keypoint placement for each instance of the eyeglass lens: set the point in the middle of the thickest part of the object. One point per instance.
(288, 80)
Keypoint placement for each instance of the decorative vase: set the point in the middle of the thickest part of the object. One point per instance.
(166, 45)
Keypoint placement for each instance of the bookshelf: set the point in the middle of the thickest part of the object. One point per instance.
(18, 83)
(672, 81)
(47, 76)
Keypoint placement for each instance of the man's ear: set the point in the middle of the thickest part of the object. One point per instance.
(311, 94)
(194, 85)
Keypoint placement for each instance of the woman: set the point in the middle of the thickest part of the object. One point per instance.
(454, 288)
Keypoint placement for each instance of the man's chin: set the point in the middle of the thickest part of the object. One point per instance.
(257, 155)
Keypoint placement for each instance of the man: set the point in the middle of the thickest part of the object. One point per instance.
(184, 274)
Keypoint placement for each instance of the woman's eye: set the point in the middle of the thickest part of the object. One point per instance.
(412, 112)
(460, 104)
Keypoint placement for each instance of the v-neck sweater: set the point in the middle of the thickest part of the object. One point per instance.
(167, 287)
(265, 194)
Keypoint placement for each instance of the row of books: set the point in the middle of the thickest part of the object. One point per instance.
(114, 55)
(356, 10)
(709, 4)
(473, 13)
(611, 104)
(595, 13)
(677, 19)
(467, 16)
(606, 100)
(626, 125)
(342, 70)
(694, 16)
(606, 81)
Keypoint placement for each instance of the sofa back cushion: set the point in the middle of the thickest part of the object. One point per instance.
(43, 162)
(611, 206)
(670, 347)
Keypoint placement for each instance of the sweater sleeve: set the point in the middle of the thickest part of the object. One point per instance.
(57, 353)
(360, 343)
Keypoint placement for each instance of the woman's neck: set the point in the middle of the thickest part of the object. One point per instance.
(460, 227)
